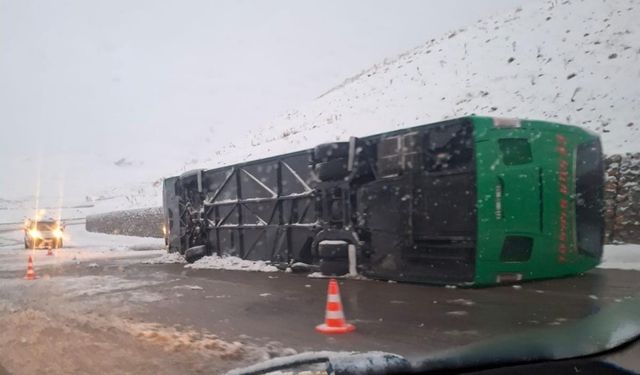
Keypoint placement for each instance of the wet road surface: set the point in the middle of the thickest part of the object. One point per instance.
(278, 311)
(402, 318)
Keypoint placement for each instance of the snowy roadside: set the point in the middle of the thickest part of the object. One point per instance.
(72, 313)
(232, 263)
(166, 258)
(79, 247)
(621, 257)
(17, 260)
(215, 262)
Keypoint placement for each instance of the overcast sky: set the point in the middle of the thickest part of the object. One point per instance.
(103, 76)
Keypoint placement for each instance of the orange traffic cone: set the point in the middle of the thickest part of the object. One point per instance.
(334, 321)
(49, 252)
(30, 274)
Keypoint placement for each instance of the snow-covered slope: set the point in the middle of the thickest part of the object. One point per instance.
(572, 61)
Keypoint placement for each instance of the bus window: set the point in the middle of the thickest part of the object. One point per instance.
(515, 151)
(589, 198)
(449, 148)
(389, 161)
(399, 153)
(516, 249)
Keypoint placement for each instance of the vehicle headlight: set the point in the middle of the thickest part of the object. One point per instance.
(57, 233)
(34, 233)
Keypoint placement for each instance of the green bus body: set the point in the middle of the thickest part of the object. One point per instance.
(538, 200)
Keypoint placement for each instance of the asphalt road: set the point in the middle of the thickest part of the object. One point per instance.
(131, 315)
(402, 318)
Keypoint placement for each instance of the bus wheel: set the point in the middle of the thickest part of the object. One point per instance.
(334, 267)
(329, 151)
(333, 250)
(194, 253)
(335, 169)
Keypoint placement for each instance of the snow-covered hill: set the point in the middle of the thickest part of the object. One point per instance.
(573, 61)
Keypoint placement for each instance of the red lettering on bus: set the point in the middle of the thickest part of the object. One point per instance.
(562, 249)
(563, 189)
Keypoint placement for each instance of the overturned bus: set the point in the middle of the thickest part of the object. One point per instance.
(470, 201)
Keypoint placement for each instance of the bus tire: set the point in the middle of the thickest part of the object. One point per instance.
(334, 267)
(329, 151)
(335, 169)
(333, 250)
(194, 253)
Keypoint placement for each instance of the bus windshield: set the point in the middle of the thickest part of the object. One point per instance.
(589, 200)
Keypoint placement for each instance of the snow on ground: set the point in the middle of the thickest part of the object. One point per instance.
(319, 275)
(231, 263)
(168, 258)
(78, 237)
(215, 262)
(80, 247)
(173, 340)
(93, 285)
(16, 260)
(622, 257)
